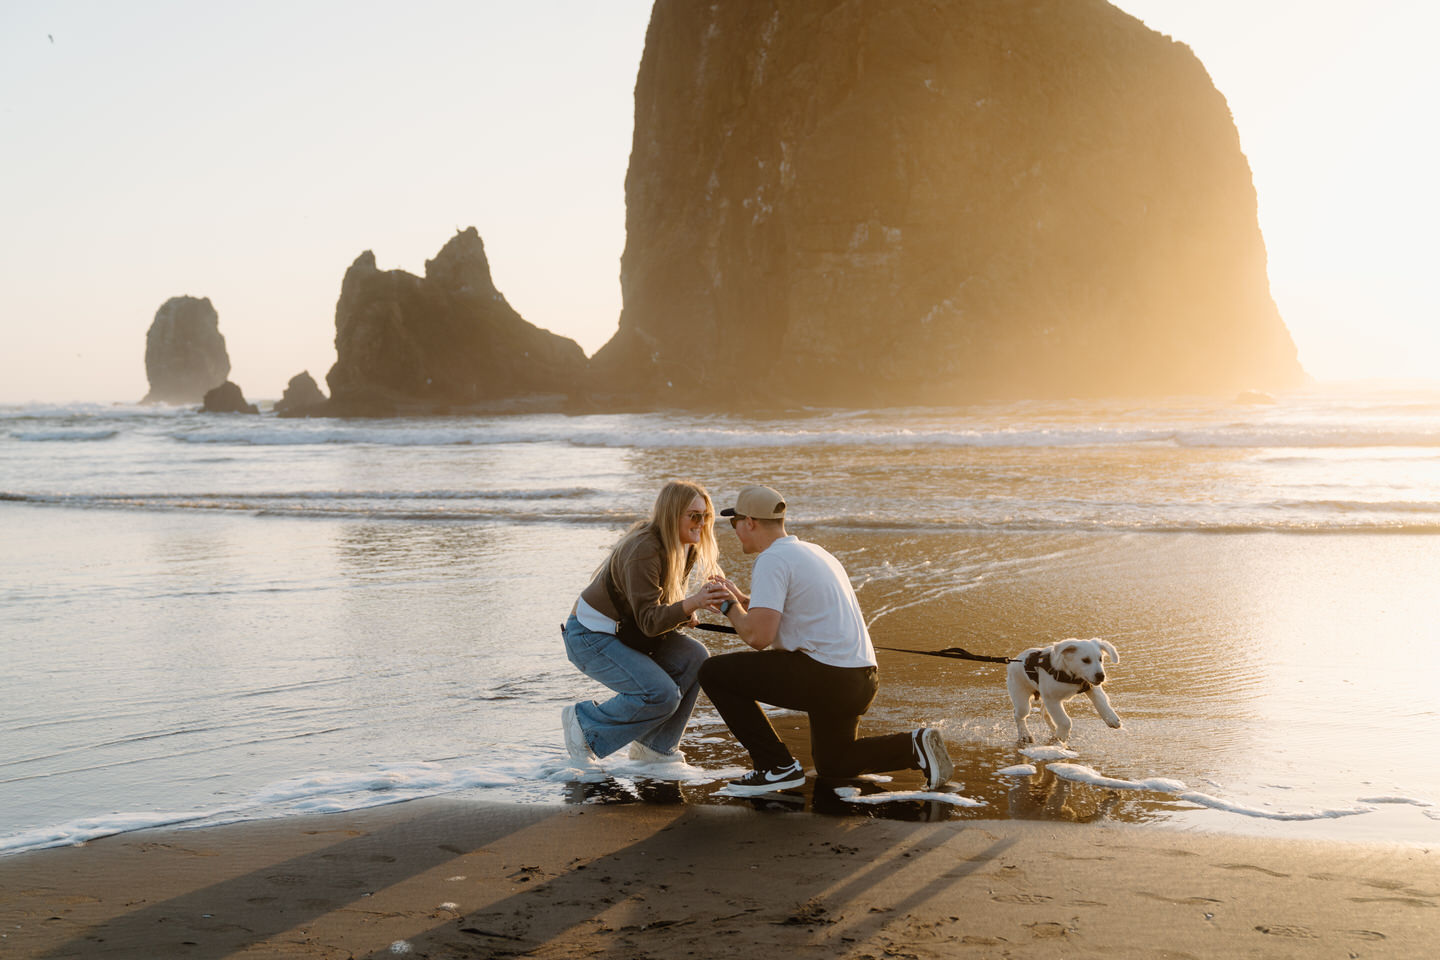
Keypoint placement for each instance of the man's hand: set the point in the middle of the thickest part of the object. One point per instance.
(734, 591)
(756, 627)
(709, 597)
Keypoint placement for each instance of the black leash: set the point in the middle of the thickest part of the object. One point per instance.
(953, 653)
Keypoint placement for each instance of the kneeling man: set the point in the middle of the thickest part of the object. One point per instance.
(815, 655)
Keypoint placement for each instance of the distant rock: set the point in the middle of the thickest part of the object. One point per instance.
(445, 342)
(184, 352)
(857, 203)
(227, 398)
(302, 397)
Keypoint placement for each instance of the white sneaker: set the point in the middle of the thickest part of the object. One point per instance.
(643, 754)
(932, 757)
(575, 743)
(757, 782)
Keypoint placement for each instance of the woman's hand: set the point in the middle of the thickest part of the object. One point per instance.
(709, 597)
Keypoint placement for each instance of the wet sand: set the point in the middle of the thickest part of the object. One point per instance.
(453, 878)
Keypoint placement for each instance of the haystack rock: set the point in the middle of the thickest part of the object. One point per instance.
(184, 352)
(227, 398)
(842, 201)
(302, 397)
(444, 342)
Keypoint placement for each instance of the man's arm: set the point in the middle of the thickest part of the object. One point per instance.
(756, 626)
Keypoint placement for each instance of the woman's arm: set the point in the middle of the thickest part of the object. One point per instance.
(638, 577)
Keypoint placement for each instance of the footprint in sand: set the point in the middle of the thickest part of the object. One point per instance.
(1281, 930)
(1250, 866)
(1366, 934)
(1180, 901)
(1048, 930)
(287, 880)
(1408, 901)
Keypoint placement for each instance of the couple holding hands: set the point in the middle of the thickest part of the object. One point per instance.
(811, 649)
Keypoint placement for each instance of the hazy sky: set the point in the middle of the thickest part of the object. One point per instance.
(249, 152)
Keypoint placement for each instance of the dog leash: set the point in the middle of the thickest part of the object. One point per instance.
(953, 653)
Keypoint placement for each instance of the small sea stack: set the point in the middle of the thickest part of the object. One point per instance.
(227, 398)
(302, 398)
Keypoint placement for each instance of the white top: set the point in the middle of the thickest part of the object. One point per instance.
(819, 615)
(592, 619)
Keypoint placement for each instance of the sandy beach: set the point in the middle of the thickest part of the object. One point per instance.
(447, 878)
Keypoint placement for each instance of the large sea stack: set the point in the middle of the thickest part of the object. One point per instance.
(445, 342)
(185, 354)
(847, 201)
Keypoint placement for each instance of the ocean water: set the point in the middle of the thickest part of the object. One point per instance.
(215, 618)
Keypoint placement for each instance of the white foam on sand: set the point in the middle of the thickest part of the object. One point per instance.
(1049, 753)
(1018, 770)
(78, 832)
(1082, 774)
(619, 764)
(853, 795)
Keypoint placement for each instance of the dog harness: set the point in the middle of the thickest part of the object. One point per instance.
(1040, 660)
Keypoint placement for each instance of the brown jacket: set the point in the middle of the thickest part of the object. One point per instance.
(639, 571)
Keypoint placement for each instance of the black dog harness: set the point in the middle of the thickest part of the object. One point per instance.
(1040, 660)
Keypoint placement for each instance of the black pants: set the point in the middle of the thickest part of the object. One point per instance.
(834, 697)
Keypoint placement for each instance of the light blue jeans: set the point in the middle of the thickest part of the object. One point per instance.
(654, 694)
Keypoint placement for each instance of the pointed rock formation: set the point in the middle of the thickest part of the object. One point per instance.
(184, 352)
(843, 201)
(302, 397)
(444, 342)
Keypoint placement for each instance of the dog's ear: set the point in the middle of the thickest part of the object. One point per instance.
(1064, 649)
(1109, 648)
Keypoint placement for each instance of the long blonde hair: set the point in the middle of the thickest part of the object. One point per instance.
(671, 504)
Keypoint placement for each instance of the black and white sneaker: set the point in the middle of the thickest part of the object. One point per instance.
(767, 781)
(932, 757)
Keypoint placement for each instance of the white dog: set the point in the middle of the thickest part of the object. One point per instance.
(1053, 675)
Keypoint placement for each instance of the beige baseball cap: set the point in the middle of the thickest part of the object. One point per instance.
(762, 503)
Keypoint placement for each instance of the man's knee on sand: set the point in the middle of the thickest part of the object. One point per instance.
(718, 672)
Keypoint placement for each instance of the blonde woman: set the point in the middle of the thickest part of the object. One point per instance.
(623, 631)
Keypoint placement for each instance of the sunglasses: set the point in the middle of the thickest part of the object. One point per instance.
(695, 516)
(737, 518)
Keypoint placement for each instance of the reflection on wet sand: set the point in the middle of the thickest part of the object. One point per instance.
(1042, 796)
(1226, 682)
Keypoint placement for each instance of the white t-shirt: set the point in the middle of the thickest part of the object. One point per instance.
(819, 615)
